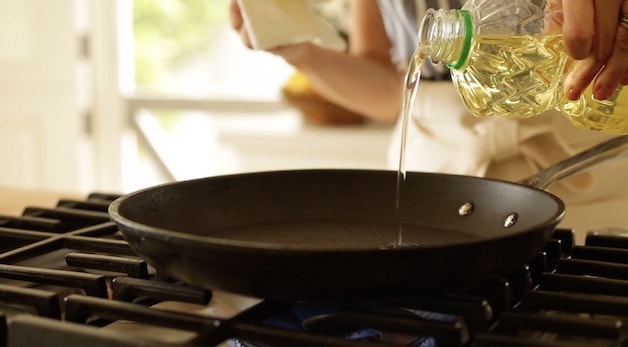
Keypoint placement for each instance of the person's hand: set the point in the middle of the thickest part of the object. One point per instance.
(596, 36)
(237, 23)
(292, 53)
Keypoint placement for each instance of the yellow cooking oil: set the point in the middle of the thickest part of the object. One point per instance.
(512, 76)
(411, 81)
(522, 76)
(610, 115)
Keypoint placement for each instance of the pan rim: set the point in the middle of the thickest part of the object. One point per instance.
(169, 234)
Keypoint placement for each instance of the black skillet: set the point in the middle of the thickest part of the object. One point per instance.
(334, 234)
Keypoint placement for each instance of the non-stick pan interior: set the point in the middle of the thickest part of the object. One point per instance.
(334, 234)
(341, 209)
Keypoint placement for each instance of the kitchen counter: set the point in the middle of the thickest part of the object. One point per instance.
(305, 145)
(234, 141)
(14, 200)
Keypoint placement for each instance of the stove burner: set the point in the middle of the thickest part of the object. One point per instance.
(67, 277)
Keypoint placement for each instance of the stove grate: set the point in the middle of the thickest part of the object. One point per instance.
(67, 277)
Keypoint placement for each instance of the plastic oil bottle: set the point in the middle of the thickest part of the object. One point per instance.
(507, 58)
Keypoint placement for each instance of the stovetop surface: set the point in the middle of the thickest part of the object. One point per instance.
(67, 277)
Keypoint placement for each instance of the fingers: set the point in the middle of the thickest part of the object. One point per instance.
(594, 37)
(607, 14)
(624, 79)
(578, 35)
(615, 71)
(237, 22)
(583, 72)
(295, 53)
(578, 27)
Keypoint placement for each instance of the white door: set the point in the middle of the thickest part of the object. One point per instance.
(40, 120)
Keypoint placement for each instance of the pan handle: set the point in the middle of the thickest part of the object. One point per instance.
(613, 149)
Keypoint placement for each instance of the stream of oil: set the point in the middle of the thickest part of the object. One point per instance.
(410, 88)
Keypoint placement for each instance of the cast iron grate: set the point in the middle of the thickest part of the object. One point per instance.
(67, 277)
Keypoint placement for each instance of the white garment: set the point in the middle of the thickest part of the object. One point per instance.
(444, 137)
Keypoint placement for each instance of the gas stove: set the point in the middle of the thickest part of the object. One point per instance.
(68, 278)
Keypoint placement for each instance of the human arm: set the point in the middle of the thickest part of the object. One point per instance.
(363, 79)
(598, 41)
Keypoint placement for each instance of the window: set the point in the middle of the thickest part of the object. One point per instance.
(203, 104)
(187, 48)
(192, 78)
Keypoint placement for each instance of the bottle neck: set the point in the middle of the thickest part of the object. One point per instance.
(445, 36)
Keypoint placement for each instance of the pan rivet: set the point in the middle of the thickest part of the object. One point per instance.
(466, 209)
(511, 219)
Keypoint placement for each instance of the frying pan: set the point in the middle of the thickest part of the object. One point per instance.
(338, 234)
